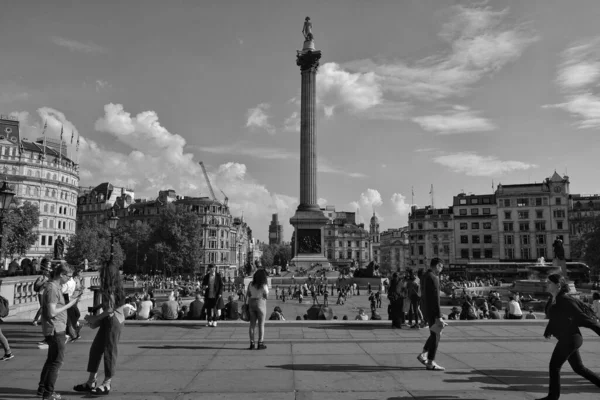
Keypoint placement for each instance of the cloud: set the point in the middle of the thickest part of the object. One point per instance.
(322, 202)
(400, 205)
(22, 116)
(425, 150)
(102, 85)
(292, 123)
(258, 119)
(454, 122)
(244, 149)
(478, 43)
(56, 121)
(75, 45)
(370, 198)
(472, 164)
(578, 77)
(326, 167)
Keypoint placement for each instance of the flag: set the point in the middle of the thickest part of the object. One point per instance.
(72, 136)
(61, 132)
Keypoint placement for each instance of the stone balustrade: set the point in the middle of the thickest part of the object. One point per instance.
(23, 299)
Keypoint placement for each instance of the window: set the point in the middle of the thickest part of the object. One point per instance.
(49, 240)
(523, 202)
(487, 225)
(487, 211)
(462, 201)
(435, 250)
(539, 214)
(486, 200)
(474, 201)
(435, 238)
(464, 253)
(412, 226)
(476, 253)
(464, 225)
(43, 242)
(420, 225)
(475, 225)
(525, 253)
(509, 254)
(349, 243)
(559, 225)
(44, 223)
(541, 252)
(509, 239)
(487, 253)
(523, 214)
(476, 239)
(349, 254)
(558, 201)
(447, 249)
(540, 226)
(212, 244)
(559, 213)
(445, 224)
(464, 239)
(508, 226)
(540, 239)
(420, 250)
(463, 212)
(419, 237)
(523, 226)
(538, 201)
(435, 225)
(45, 207)
(340, 243)
(507, 215)
(474, 211)
(525, 240)
(487, 238)
(506, 202)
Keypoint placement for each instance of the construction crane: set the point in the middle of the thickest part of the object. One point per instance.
(226, 198)
(212, 193)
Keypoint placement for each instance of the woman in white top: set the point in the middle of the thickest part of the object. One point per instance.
(596, 303)
(256, 296)
(514, 309)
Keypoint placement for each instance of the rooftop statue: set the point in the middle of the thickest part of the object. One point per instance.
(307, 30)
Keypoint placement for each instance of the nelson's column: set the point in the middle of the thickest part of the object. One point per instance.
(309, 220)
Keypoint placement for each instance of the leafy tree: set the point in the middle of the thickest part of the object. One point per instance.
(591, 252)
(92, 242)
(135, 240)
(19, 229)
(275, 254)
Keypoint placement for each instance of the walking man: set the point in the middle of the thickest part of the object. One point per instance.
(430, 302)
(213, 294)
(54, 326)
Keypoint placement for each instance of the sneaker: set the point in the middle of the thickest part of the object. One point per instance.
(433, 366)
(34, 323)
(67, 338)
(52, 396)
(208, 323)
(214, 324)
(251, 346)
(42, 345)
(422, 358)
(7, 357)
(261, 346)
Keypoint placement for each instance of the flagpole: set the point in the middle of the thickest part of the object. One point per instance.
(60, 147)
(412, 198)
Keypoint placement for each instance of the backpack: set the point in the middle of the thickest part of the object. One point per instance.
(39, 283)
(586, 310)
(3, 307)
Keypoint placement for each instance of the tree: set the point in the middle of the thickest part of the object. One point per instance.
(591, 252)
(275, 254)
(135, 241)
(92, 242)
(19, 229)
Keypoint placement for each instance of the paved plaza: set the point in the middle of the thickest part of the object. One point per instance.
(308, 360)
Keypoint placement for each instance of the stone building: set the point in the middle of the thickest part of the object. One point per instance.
(95, 202)
(374, 240)
(275, 231)
(475, 228)
(394, 250)
(431, 234)
(346, 242)
(40, 172)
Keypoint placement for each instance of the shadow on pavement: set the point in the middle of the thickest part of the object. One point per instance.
(7, 393)
(353, 327)
(524, 381)
(168, 347)
(343, 367)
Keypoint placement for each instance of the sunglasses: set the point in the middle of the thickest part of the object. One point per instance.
(68, 276)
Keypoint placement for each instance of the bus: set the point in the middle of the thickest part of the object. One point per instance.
(511, 271)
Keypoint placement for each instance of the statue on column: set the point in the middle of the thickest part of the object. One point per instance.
(59, 248)
(307, 30)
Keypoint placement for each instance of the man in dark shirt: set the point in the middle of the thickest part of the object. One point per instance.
(196, 307)
(432, 314)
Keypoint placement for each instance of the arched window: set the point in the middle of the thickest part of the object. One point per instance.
(54, 177)
(54, 193)
(37, 191)
(47, 192)
(45, 207)
(29, 173)
(30, 190)
(60, 209)
(48, 176)
(52, 209)
(51, 223)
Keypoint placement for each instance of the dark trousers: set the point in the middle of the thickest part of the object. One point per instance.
(105, 344)
(567, 349)
(414, 308)
(209, 306)
(397, 313)
(54, 360)
(432, 343)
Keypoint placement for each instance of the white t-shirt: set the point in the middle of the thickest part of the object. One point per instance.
(258, 293)
(69, 287)
(514, 308)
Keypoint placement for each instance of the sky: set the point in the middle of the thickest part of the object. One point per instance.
(454, 95)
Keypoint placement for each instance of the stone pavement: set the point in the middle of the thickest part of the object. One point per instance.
(308, 360)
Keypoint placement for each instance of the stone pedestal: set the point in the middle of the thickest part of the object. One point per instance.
(309, 239)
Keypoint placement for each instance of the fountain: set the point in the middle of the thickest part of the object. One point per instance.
(536, 284)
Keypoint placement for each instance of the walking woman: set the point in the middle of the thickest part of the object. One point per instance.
(110, 322)
(566, 316)
(258, 291)
(396, 301)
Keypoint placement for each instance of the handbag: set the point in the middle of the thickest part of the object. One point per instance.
(245, 315)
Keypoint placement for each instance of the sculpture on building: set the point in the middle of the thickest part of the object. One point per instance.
(59, 248)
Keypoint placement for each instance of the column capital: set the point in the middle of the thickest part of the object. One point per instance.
(308, 60)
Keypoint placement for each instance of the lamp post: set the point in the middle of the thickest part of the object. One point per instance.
(6, 197)
(112, 225)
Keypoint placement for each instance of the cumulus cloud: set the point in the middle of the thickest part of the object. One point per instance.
(75, 45)
(578, 78)
(400, 205)
(370, 198)
(160, 160)
(258, 118)
(473, 164)
(322, 202)
(463, 121)
(292, 123)
(102, 85)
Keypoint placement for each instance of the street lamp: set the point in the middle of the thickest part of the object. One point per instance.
(6, 197)
(112, 225)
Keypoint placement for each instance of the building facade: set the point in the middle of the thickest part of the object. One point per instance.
(431, 234)
(346, 242)
(41, 173)
(275, 231)
(531, 216)
(475, 228)
(394, 250)
(374, 240)
(94, 203)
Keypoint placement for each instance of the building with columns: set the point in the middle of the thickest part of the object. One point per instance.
(345, 240)
(394, 250)
(41, 173)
